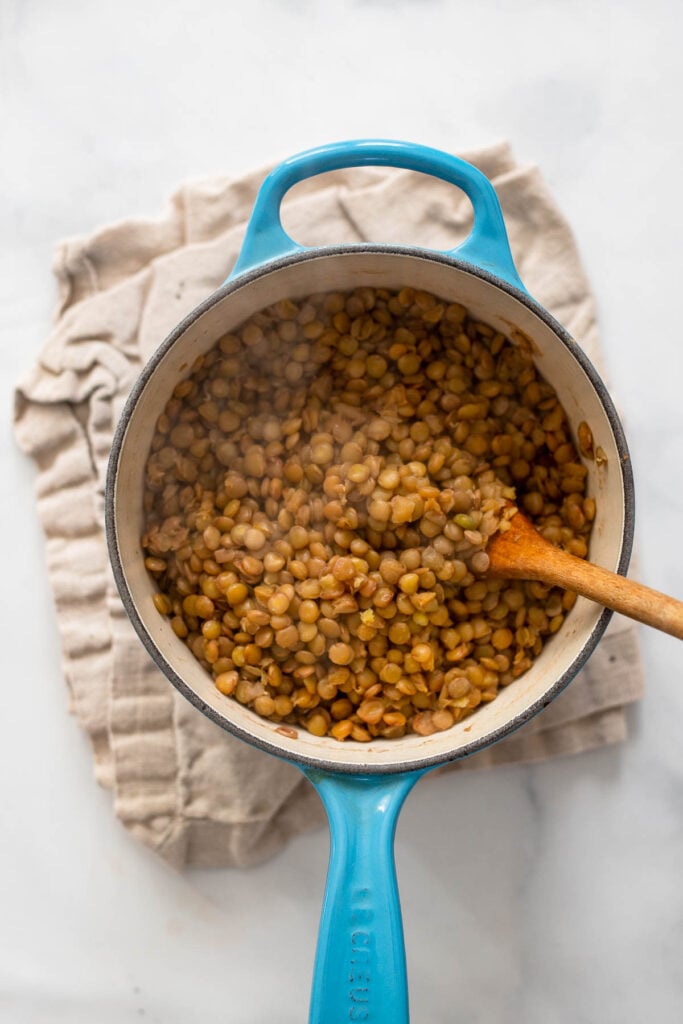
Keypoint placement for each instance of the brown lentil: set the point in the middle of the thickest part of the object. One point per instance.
(319, 495)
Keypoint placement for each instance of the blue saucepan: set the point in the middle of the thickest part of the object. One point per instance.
(360, 970)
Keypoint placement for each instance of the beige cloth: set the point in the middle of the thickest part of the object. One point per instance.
(184, 787)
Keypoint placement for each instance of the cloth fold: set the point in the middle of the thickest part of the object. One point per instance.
(191, 792)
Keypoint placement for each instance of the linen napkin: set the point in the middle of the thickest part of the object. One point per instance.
(190, 791)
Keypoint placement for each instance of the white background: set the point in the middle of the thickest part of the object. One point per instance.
(546, 895)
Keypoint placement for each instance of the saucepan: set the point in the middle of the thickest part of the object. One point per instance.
(360, 972)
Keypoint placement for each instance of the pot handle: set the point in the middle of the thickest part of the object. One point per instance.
(360, 967)
(486, 246)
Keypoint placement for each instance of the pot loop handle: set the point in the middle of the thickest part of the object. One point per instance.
(486, 247)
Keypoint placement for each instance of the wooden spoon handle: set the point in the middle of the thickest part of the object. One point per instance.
(521, 553)
(619, 593)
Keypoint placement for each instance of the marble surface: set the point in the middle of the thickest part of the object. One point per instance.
(548, 894)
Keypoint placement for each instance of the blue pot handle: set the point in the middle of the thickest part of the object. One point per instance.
(360, 968)
(486, 247)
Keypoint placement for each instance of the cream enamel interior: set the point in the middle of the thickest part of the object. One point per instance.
(342, 271)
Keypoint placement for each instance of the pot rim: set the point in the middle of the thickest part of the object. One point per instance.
(368, 767)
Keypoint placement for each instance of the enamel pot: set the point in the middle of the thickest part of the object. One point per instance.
(360, 970)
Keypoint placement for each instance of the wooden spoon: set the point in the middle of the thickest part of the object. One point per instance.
(522, 553)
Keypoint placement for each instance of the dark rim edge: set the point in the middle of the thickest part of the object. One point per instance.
(365, 768)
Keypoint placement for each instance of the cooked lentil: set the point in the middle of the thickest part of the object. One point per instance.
(319, 495)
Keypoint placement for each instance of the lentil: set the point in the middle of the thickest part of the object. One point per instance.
(319, 495)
